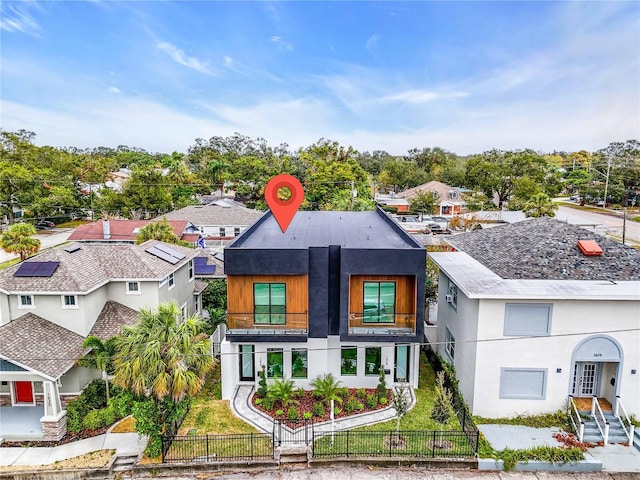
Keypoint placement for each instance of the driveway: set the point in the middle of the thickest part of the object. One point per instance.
(48, 238)
(609, 224)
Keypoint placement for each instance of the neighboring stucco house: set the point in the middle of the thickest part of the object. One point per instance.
(338, 292)
(532, 312)
(51, 302)
(449, 199)
(126, 231)
(219, 220)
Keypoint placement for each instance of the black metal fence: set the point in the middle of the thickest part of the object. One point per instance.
(286, 431)
(211, 448)
(171, 432)
(410, 444)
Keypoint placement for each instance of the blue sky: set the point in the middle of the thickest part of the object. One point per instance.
(465, 76)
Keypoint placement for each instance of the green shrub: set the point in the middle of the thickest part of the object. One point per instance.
(258, 401)
(298, 392)
(293, 414)
(261, 392)
(307, 415)
(95, 394)
(76, 410)
(351, 404)
(93, 420)
(360, 406)
(361, 393)
(122, 402)
(372, 400)
(343, 392)
(381, 388)
(109, 416)
(318, 409)
(267, 403)
(383, 400)
(279, 412)
(337, 411)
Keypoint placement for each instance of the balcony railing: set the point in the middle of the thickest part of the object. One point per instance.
(264, 324)
(390, 324)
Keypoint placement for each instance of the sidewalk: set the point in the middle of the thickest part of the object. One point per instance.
(123, 443)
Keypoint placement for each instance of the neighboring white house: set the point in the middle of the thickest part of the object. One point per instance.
(528, 317)
(222, 219)
(51, 302)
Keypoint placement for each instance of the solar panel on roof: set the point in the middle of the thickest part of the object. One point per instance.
(163, 255)
(200, 266)
(73, 248)
(36, 269)
(170, 251)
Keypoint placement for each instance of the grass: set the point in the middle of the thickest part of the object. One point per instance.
(556, 419)
(8, 263)
(419, 417)
(126, 425)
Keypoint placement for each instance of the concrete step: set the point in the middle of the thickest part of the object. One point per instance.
(124, 462)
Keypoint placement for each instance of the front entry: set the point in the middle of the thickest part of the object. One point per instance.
(247, 370)
(23, 393)
(585, 379)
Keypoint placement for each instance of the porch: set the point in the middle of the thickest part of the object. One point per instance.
(267, 324)
(21, 423)
(392, 324)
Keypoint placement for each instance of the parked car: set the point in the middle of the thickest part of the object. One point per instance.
(45, 225)
(600, 203)
(413, 225)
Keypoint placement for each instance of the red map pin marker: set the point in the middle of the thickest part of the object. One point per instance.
(284, 210)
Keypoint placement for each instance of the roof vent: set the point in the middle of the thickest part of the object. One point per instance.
(590, 248)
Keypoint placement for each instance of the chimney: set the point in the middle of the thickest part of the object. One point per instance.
(106, 229)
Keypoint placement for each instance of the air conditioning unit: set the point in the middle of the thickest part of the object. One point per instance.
(449, 298)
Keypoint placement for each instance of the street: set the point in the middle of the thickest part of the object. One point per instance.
(48, 238)
(601, 223)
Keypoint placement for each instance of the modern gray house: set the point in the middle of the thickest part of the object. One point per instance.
(339, 292)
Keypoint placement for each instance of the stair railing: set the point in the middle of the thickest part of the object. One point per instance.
(627, 426)
(576, 420)
(598, 416)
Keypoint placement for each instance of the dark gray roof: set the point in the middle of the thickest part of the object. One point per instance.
(42, 346)
(367, 230)
(545, 248)
(112, 318)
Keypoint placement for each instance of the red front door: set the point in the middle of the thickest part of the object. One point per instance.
(23, 392)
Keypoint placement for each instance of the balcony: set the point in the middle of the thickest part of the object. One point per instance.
(390, 324)
(261, 324)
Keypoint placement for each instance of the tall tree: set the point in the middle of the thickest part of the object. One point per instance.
(540, 205)
(100, 357)
(162, 231)
(164, 360)
(18, 239)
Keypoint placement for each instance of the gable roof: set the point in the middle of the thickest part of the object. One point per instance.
(121, 230)
(442, 189)
(36, 344)
(217, 213)
(545, 248)
(112, 318)
(93, 265)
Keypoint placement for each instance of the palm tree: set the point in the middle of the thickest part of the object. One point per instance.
(100, 357)
(18, 239)
(161, 357)
(162, 231)
(540, 205)
(216, 169)
(327, 388)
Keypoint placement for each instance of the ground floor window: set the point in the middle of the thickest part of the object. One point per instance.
(246, 363)
(372, 360)
(275, 362)
(349, 361)
(450, 344)
(402, 363)
(299, 363)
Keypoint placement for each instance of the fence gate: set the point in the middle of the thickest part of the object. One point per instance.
(286, 431)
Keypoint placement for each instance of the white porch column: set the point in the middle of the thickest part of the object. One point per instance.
(52, 405)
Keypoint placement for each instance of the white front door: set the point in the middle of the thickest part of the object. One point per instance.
(585, 379)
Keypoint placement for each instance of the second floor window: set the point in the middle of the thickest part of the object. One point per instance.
(379, 302)
(171, 281)
(133, 287)
(269, 303)
(26, 301)
(69, 301)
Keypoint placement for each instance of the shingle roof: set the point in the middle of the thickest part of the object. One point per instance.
(121, 230)
(93, 265)
(112, 318)
(215, 214)
(545, 248)
(36, 343)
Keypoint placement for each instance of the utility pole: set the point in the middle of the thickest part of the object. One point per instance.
(606, 184)
(624, 223)
(352, 195)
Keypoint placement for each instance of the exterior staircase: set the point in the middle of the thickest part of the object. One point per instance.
(124, 462)
(592, 433)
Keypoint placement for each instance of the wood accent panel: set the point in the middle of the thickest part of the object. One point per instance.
(240, 291)
(405, 292)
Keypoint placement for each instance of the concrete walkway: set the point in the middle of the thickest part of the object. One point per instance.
(123, 443)
(242, 407)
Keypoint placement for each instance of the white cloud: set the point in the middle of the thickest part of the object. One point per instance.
(372, 42)
(114, 90)
(15, 17)
(179, 56)
(423, 96)
(280, 43)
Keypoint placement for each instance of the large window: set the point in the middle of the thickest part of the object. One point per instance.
(379, 302)
(524, 383)
(299, 363)
(269, 303)
(349, 361)
(275, 362)
(372, 360)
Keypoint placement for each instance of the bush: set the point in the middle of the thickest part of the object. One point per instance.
(351, 404)
(318, 409)
(293, 414)
(279, 412)
(361, 393)
(383, 400)
(372, 400)
(76, 410)
(258, 401)
(307, 415)
(122, 403)
(95, 394)
(109, 416)
(298, 392)
(267, 403)
(261, 392)
(93, 420)
(337, 411)
(343, 392)
(381, 388)
(360, 406)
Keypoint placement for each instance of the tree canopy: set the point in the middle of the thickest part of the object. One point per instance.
(18, 239)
